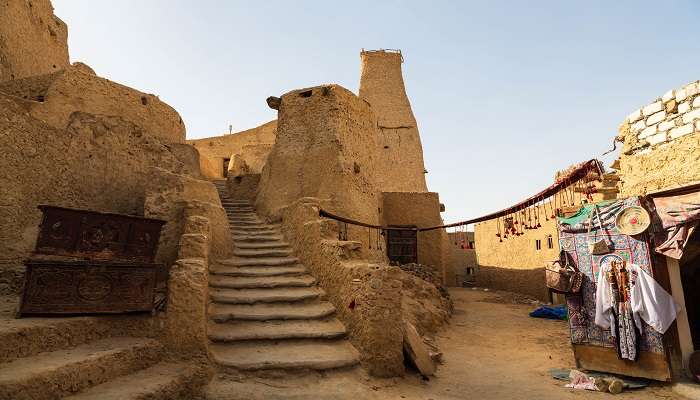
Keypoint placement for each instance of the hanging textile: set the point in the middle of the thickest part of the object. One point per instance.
(675, 218)
(582, 215)
(573, 240)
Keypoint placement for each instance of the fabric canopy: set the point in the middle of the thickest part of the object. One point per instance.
(675, 217)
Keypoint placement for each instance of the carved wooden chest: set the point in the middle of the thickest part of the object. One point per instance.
(91, 262)
(70, 287)
(97, 236)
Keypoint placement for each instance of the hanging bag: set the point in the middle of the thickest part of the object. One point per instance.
(563, 279)
(596, 246)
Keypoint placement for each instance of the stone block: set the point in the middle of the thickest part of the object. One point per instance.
(681, 131)
(684, 107)
(696, 102)
(197, 224)
(653, 108)
(638, 126)
(647, 132)
(691, 116)
(193, 245)
(692, 89)
(187, 304)
(666, 125)
(656, 139)
(634, 117)
(671, 107)
(668, 96)
(681, 95)
(656, 118)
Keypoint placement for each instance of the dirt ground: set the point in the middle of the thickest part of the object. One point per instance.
(492, 350)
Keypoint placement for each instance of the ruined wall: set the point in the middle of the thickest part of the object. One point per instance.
(96, 162)
(253, 145)
(58, 95)
(515, 264)
(462, 258)
(423, 211)
(660, 143)
(326, 148)
(174, 197)
(382, 86)
(254, 156)
(366, 296)
(33, 40)
(188, 286)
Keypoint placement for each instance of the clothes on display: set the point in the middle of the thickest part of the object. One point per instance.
(627, 295)
(573, 240)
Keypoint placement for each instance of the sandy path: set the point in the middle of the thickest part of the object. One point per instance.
(494, 350)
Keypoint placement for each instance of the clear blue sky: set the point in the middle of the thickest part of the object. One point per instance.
(505, 93)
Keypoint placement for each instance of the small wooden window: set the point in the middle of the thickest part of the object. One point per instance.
(550, 242)
(402, 245)
(538, 244)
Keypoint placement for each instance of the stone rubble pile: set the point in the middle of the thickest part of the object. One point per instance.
(428, 274)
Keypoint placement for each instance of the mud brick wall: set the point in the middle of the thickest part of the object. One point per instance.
(661, 141)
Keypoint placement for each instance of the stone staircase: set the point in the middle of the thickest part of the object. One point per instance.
(86, 358)
(266, 312)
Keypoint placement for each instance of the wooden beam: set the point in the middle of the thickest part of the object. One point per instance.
(682, 324)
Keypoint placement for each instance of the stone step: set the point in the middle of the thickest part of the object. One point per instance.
(260, 261)
(236, 231)
(257, 229)
(276, 330)
(251, 230)
(225, 270)
(262, 245)
(242, 282)
(257, 238)
(266, 312)
(238, 202)
(229, 204)
(238, 210)
(241, 215)
(264, 232)
(262, 252)
(256, 222)
(264, 295)
(254, 227)
(25, 337)
(287, 355)
(163, 381)
(59, 373)
(259, 225)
